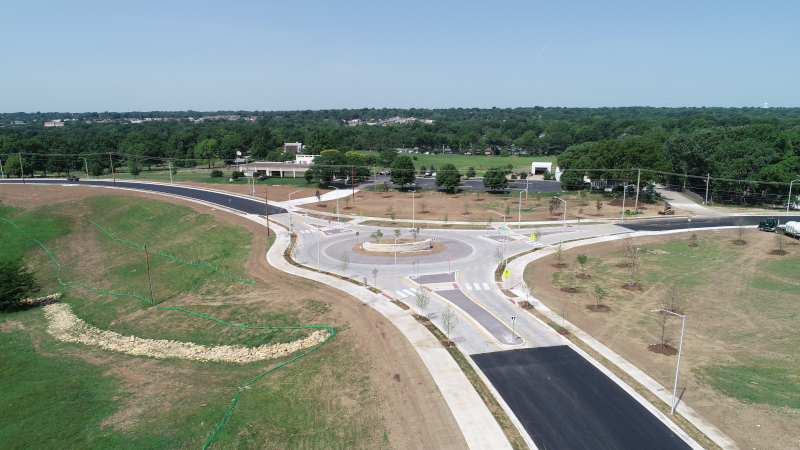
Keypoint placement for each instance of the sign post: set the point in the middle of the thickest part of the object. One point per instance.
(448, 264)
(506, 274)
(375, 278)
(513, 326)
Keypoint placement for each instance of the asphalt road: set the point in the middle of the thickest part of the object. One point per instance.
(696, 222)
(228, 201)
(564, 402)
(471, 185)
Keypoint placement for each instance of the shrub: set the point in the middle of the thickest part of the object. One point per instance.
(236, 174)
(216, 173)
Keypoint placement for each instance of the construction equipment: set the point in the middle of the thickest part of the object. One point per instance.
(792, 229)
(667, 211)
(770, 225)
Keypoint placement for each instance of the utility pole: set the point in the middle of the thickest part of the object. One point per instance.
(708, 178)
(87, 167)
(684, 183)
(21, 170)
(2, 174)
(353, 183)
(636, 203)
(112, 169)
(170, 171)
(147, 260)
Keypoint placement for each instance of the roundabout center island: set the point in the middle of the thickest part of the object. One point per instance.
(403, 247)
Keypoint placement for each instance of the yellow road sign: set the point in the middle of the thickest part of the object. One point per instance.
(533, 237)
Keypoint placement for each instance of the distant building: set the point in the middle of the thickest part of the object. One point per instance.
(294, 147)
(54, 123)
(304, 159)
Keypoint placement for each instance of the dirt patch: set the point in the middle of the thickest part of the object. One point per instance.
(633, 287)
(738, 242)
(663, 350)
(422, 319)
(436, 248)
(448, 344)
(562, 331)
(9, 326)
(779, 252)
(583, 276)
(570, 290)
(525, 305)
(599, 309)
(559, 266)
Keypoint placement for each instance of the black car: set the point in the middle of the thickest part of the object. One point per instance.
(72, 178)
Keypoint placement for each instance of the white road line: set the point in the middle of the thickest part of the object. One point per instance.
(469, 286)
(486, 286)
(477, 286)
(400, 294)
(407, 292)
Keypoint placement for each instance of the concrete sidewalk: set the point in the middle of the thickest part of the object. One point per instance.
(479, 427)
(681, 201)
(517, 266)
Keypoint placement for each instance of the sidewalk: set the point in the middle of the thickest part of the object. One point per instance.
(681, 201)
(479, 427)
(517, 266)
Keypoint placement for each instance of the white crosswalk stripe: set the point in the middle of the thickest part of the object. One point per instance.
(400, 294)
(407, 292)
(477, 286)
(469, 286)
(486, 286)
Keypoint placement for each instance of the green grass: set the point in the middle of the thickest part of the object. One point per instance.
(481, 163)
(757, 383)
(63, 392)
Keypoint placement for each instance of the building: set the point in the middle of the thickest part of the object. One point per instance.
(275, 169)
(294, 147)
(304, 159)
(539, 168)
(54, 123)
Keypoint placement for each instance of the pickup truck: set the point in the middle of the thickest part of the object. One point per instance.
(72, 178)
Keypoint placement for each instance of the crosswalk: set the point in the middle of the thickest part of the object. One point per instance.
(403, 293)
(477, 286)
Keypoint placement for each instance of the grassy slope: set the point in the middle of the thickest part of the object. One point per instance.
(73, 393)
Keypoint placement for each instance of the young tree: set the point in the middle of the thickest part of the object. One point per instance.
(571, 278)
(445, 219)
(466, 207)
(508, 209)
(344, 263)
(347, 202)
(397, 233)
(134, 168)
(471, 172)
(740, 224)
(377, 235)
(580, 213)
(423, 299)
(498, 255)
(414, 232)
(584, 195)
(422, 204)
(599, 295)
(449, 321)
(598, 206)
(780, 242)
(526, 289)
(17, 282)
(558, 254)
(449, 177)
(582, 259)
(553, 206)
(389, 210)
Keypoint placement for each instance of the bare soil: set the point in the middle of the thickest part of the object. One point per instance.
(667, 350)
(779, 252)
(717, 330)
(583, 276)
(570, 290)
(633, 287)
(464, 206)
(598, 309)
(406, 396)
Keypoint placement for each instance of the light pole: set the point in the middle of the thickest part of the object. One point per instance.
(519, 211)
(87, 172)
(505, 236)
(564, 228)
(290, 209)
(680, 346)
(326, 215)
(789, 200)
(413, 222)
(395, 263)
(170, 175)
(688, 221)
(337, 203)
(624, 191)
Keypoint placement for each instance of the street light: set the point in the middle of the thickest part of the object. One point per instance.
(680, 346)
(789, 200)
(395, 262)
(290, 209)
(337, 203)
(519, 211)
(505, 236)
(564, 228)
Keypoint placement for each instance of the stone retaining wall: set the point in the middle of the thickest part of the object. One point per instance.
(66, 326)
(404, 247)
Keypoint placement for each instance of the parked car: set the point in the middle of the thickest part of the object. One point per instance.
(427, 174)
(72, 178)
(433, 174)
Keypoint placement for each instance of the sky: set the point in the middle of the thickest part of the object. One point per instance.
(86, 56)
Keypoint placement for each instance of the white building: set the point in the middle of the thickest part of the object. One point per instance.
(304, 159)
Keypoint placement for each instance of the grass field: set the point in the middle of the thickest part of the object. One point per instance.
(481, 163)
(58, 394)
(740, 357)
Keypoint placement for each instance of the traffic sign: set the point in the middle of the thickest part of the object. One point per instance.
(513, 319)
(449, 258)
(506, 273)
(533, 237)
(502, 228)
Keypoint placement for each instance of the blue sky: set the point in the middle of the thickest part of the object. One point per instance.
(260, 55)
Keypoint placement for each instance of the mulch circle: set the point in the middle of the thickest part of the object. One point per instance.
(779, 252)
(422, 319)
(448, 344)
(600, 309)
(583, 276)
(563, 331)
(570, 290)
(525, 305)
(692, 245)
(665, 350)
(560, 266)
(738, 242)
(622, 265)
(634, 288)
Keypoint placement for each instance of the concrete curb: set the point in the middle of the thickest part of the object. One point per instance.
(480, 429)
(518, 265)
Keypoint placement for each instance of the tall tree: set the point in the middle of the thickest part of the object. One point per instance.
(402, 171)
(495, 179)
(448, 176)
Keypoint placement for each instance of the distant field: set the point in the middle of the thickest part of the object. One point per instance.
(462, 162)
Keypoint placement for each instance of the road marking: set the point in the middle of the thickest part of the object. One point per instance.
(469, 286)
(486, 287)
(400, 294)
(477, 286)
(407, 292)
